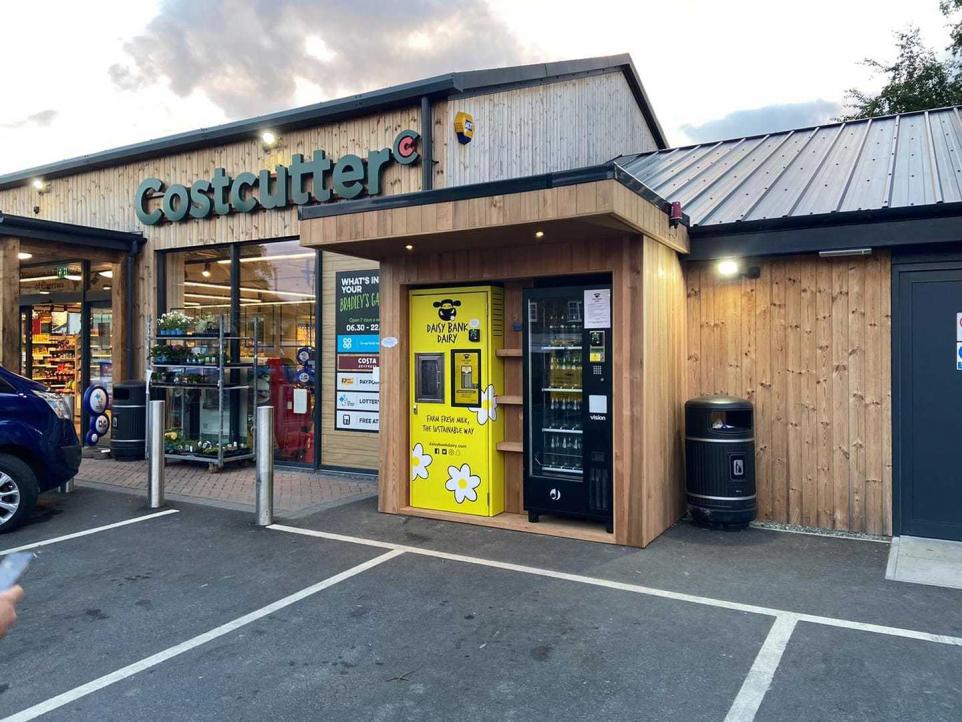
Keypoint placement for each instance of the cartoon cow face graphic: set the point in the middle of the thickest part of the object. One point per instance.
(447, 308)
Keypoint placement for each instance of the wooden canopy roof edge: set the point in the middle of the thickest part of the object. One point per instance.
(69, 234)
(605, 203)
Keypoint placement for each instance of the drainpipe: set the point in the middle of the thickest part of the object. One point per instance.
(427, 145)
(129, 315)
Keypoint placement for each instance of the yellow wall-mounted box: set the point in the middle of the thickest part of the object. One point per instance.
(456, 375)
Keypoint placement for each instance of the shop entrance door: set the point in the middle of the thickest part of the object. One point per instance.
(928, 401)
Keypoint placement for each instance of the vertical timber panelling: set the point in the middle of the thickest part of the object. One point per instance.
(562, 125)
(819, 374)
(10, 304)
(664, 389)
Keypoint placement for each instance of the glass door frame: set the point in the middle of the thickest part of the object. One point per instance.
(87, 300)
(234, 254)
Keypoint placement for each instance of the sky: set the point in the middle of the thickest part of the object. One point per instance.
(93, 76)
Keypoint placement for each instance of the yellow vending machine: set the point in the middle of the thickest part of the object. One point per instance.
(456, 376)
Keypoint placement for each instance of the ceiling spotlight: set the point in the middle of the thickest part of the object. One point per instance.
(73, 277)
(539, 234)
(206, 272)
(107, 274)
(408, 247)
(106, 288)
(40, 185)
(24, 256)
(268, 139)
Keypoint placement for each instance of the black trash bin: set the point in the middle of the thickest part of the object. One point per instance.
(720, 460)
(129, 425)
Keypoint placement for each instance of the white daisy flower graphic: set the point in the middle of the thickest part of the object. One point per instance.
(463, 483)
(419, 463)
(488, 408)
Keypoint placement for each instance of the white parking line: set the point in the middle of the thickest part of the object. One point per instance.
(760, 676)
(131, 669)
(87, 532)
(635, 588)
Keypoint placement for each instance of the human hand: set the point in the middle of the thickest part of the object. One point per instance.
(8, 604)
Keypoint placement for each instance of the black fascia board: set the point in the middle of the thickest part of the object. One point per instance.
(884, 228)
(335, 110)
(69, 233)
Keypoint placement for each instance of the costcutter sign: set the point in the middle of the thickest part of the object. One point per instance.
(349, 177)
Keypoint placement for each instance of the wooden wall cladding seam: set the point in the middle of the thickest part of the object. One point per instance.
(809, 343)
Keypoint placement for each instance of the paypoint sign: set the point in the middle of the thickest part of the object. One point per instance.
(347, 178)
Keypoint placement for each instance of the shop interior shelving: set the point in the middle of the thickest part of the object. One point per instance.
(210, 369)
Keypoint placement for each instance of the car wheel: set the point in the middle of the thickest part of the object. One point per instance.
(18, 492)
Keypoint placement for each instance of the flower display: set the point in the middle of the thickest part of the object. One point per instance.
(419, 462)
(488, 410)
(462, 483)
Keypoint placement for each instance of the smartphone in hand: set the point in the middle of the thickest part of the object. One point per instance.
(12, 568)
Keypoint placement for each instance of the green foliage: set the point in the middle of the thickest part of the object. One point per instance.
(916, 80)
(949, 7)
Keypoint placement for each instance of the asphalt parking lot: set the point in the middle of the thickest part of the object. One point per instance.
(350, 614)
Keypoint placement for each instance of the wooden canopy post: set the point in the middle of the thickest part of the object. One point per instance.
(10, 304)
(119, 343)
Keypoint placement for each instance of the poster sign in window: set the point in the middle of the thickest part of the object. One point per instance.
(597, 308)
(357, 328)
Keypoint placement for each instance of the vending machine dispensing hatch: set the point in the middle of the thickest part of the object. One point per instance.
(456, 375)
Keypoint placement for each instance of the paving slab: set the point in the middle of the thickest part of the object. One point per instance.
(430, 639)
(935, 562)
(842, 674)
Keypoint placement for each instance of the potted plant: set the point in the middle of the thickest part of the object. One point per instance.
(160, 353)
(205, 325)
(173, 323)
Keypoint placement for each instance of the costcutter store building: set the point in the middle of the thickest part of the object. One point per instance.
(496, 289)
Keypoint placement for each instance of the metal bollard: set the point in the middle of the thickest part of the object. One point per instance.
(68, 485)
(155, 456)
(264, 461)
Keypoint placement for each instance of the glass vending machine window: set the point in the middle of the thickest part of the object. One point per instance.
(554, 383)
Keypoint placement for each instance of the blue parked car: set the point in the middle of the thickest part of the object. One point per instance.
(39, 448)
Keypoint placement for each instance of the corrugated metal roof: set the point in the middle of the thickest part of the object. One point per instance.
(912, 159)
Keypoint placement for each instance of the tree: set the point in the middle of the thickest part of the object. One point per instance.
(916, 80)
(955, 34)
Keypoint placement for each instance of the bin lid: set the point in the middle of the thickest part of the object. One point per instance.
(719, 403)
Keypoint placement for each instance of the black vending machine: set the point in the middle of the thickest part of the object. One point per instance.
(567, 412)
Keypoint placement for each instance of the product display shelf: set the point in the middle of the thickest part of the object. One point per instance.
(213, 373)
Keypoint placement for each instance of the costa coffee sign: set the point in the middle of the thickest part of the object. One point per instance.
(349, 177)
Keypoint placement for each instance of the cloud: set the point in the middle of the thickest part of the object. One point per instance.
(38, 120)
(763, 120)
(247, 57)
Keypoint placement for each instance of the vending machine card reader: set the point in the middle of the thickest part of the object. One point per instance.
(456, 376)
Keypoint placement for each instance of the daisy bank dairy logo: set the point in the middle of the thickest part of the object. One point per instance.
(462, 483)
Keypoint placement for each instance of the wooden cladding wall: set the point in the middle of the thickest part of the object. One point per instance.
(809, 343)
(567, 124)
(105, 198)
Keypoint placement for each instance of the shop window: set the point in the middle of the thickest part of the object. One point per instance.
(277, 284)
(198, 282)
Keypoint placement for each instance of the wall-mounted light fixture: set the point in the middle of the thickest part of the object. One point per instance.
(539, 234)
(206, 272)
(846, 252)
(269, 139)
(40, 185)
(24, 256)
(731, 267)
(408, 247)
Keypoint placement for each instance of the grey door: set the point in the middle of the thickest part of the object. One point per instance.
(928, 396)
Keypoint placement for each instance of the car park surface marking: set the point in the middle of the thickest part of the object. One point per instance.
(87, 532)
(636, 588)
(152, 661)
(763, 669)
